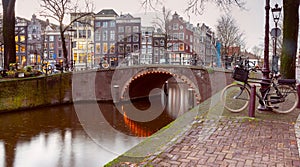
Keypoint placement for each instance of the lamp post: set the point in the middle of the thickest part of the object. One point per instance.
(275, 33)
(71, 30)
(266, 69)
(92, 54)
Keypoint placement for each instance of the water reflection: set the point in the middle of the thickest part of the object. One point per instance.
(57, 136)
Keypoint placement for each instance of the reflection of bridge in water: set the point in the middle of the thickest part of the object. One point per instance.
(177, 87)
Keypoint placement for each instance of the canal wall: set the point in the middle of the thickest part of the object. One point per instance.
(26, 93)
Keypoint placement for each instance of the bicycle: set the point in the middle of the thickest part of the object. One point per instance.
(46, 67)
(279, 95)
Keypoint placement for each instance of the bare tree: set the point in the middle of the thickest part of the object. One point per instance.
(59, 9)
(290, 38)
(229, 33)
(162, 23)
(9, 32)
(197, 6)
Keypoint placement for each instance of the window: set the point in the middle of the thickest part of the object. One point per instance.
(121, 38)
(175, 26)
(135, 47)
(191, 38)
(97, 35)
(175, 47)
(105, 48)
(89, 34)
(128, 29)
(156, 42)
(169, 48)
(128, 39)
(144, 49)
(175, 36)
(149, 49)
(128, 48)
(51, 45)
(112, 24)
(105, 24)
(156, 51)
(121, 48)
(22, 48)
(22, 38)
(181, 36)
(136, 38)
(82, 34)
(104, 35)
(59, 53)
(162, 51)
(112, 35)
(51, 38)
(121, 29)
(112, 48)
(149, 40)
(162, 42)
(98, 48)
(98, 24)
(181, 47)
(136, 29)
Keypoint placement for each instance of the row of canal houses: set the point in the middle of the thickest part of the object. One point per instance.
(112, 39)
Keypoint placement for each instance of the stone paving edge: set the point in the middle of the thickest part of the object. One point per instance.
(164, 138)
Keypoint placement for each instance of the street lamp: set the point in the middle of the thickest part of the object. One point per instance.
(276, 12)
(266, 69)
(92, 54)
(71, 30)
(275, 33)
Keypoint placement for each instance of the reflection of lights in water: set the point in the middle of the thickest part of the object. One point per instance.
(135, 128)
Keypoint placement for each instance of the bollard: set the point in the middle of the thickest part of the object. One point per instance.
(298, 91)
(251, 112)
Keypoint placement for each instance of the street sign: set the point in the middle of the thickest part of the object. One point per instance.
(275, 32)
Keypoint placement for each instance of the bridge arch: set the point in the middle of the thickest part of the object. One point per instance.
(145, 80)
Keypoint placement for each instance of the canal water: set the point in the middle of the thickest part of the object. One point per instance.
(82, 134)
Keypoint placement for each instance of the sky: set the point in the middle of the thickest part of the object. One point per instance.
(251, 21)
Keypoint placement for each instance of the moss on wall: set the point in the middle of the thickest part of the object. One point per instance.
(26, 93)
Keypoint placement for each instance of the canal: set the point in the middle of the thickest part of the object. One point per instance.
(84, 134)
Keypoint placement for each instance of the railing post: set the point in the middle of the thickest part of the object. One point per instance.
(251, 112)
(298, 92)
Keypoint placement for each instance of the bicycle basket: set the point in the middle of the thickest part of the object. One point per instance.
(240, 74)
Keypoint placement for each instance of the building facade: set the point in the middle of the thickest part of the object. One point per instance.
(147, 47)
(105, 39)
(180, 42)
(128, 39)
(21, 35)
(82, 35)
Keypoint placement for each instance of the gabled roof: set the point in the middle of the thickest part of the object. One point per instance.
(107, 12)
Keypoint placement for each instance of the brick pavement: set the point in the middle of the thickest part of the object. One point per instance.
(234, 142)
(221, 138)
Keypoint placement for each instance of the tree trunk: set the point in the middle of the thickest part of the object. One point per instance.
(9, 32)
(290, 38)
(63, 40)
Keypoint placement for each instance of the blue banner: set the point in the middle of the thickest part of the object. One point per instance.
(218, 47)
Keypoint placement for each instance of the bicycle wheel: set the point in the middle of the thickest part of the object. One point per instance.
(289, 102)
(235, 97)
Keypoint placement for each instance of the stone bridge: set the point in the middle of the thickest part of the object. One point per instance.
(126, 83)
(118, 84)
